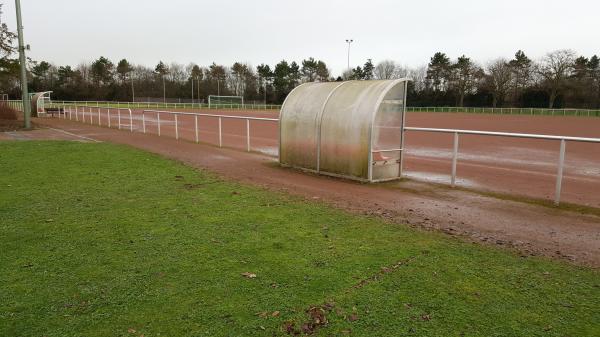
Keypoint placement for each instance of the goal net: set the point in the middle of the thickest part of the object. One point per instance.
(225, 101)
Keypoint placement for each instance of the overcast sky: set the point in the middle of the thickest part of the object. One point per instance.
(225, 31)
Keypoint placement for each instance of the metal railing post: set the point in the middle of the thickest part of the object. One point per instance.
(108, 115)
(158, 121)
(176, 128)
(248, 135)
(454, 159)
(144, 121)
(130, 121)
(99, 114)
(119, 118)
(196, 127)
(220, 134)
(559, 175)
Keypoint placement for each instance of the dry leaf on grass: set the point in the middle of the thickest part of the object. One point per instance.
(249, 275)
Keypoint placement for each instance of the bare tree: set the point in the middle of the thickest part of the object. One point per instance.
(402, 72)
(555, 69)
(419, 77)
(6, 38)
(177, 73)
(385, 70)
(498, 79)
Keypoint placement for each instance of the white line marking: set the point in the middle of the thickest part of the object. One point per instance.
(74, 135)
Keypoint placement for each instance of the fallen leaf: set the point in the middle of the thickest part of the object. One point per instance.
(249, 275)
(262, 314)
(426, 317)
(130, 330)
(275, 314)
(353, 317)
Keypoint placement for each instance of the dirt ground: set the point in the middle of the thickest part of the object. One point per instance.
(529, 228)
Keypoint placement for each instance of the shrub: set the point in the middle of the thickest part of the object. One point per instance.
(7, 112)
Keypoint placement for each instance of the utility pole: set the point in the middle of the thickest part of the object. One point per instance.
(349, 41)
(23, 65)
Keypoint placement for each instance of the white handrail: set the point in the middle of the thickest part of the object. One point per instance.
(213, 115)
(506, 134)
(561, 155)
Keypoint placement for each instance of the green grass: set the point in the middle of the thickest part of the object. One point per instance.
(102, 240)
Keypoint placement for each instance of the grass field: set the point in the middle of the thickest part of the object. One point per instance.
(103, 240)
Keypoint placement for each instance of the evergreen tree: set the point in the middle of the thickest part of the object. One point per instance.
(438, 72)
(368, 70)
(522, 69)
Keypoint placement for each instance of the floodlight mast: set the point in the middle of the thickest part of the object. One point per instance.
(22, 60)
(349, 41)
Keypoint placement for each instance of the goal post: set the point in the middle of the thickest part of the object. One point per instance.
(216, 101)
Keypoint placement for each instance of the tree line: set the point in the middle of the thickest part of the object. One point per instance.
(559, 79)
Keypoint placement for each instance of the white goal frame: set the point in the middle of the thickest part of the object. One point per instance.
(212, 97)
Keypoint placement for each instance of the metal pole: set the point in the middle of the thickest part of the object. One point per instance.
(99, 122)
(22, 64)
(158, 121)
(119, 118)
(248, 135)
(130, 121)
(108, 115)
(454, 159)
(176, 128)
(349, 41)
(559, 175)
(196, 124)
(220, 134)
(144, 121)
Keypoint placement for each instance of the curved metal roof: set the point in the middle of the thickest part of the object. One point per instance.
(327, 127)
